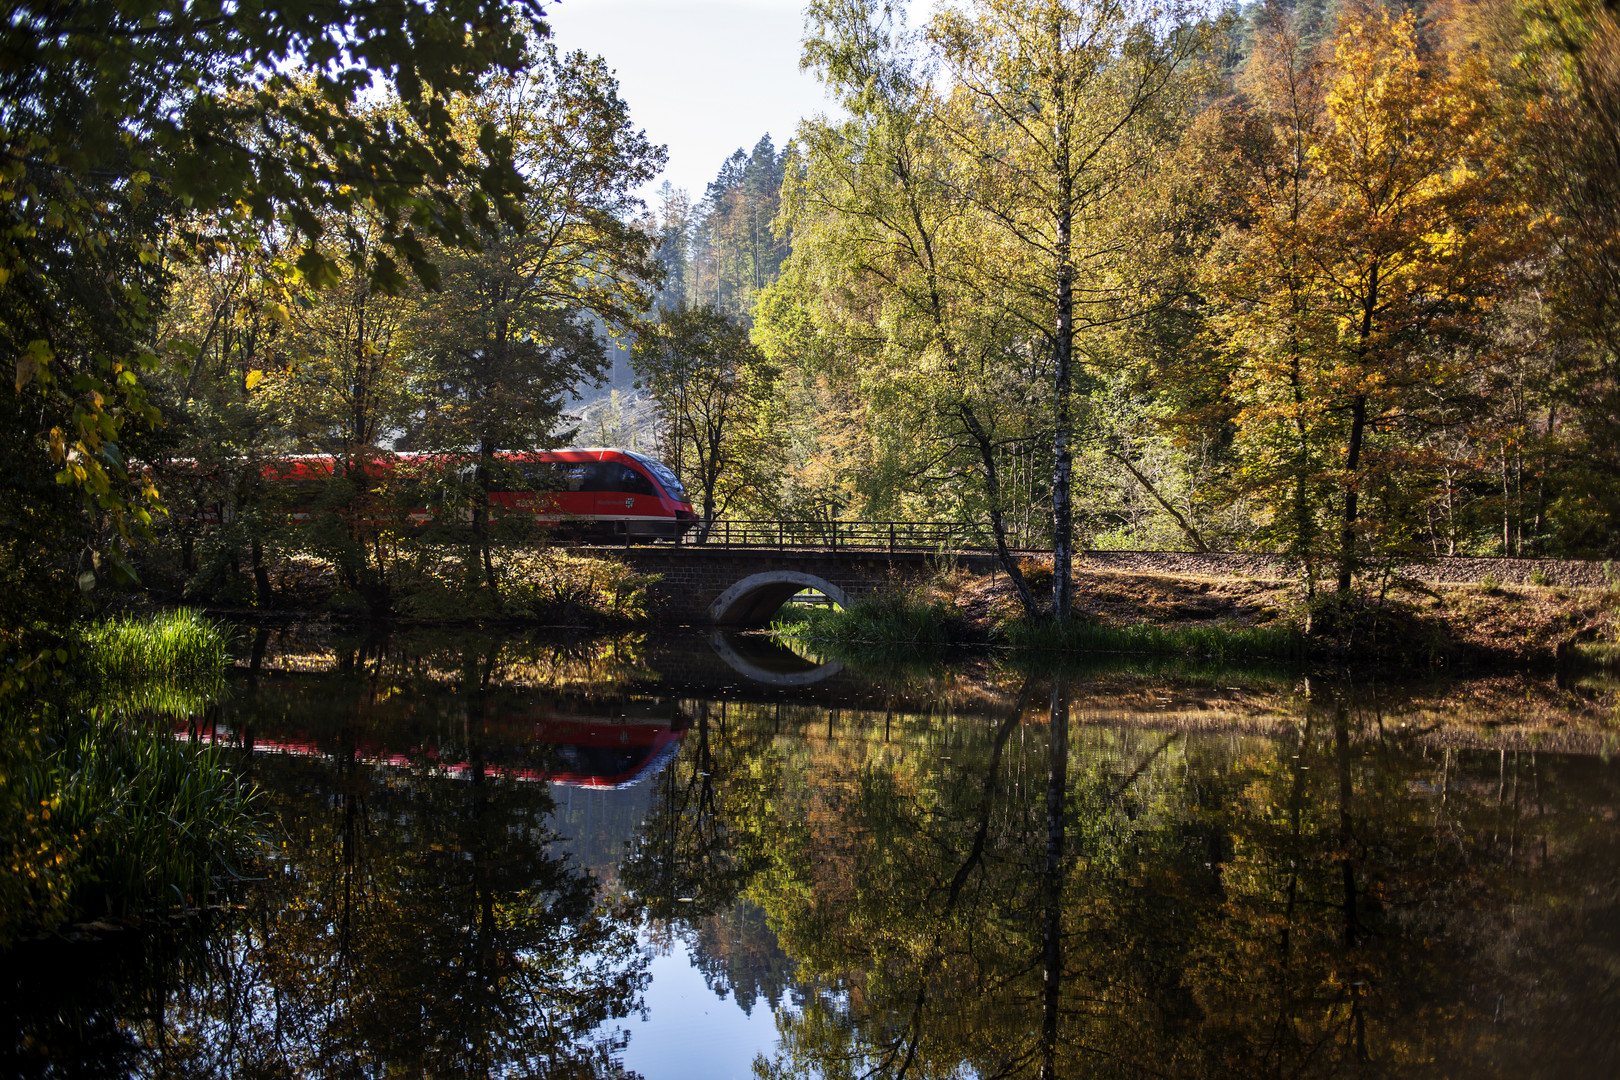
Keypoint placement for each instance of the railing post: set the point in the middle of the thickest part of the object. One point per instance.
(778, 534)
(891, 538)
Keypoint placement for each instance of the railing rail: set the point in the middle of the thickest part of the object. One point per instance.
(784, 534)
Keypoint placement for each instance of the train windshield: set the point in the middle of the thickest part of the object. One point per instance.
(666, 477)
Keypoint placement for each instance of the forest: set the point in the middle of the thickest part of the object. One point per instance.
(1335, 281)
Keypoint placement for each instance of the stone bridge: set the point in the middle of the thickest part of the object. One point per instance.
(712, 585)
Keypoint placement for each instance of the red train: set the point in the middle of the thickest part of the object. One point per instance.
(601, 491)
(578, 750)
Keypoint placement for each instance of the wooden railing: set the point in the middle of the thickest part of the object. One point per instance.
(854, 535)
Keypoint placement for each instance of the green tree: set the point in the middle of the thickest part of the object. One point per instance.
(117, 111)
(1059, 110)
(520, 322)
(736, 251)
(710, 382)
(889, 267)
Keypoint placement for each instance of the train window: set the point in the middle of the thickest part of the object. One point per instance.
(542, 476)
(626, 479)
(666, 476)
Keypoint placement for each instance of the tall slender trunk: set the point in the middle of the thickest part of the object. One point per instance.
(1507, 504)
(261, 576)
(482, 479)
(1352, 461)
(1358, 431)
(1062, 450)
(1304, 521)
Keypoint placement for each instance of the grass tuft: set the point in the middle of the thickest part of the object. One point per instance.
(178, 642)
(885, 619)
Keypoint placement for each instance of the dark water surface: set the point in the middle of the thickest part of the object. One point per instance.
(702, 857)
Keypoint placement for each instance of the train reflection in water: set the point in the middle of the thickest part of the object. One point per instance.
(602, 752)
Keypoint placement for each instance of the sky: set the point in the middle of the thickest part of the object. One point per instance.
(702, 77)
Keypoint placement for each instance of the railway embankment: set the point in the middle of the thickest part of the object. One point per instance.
(1478, 613)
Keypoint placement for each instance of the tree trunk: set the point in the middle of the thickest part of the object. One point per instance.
(1358, 429)
(1062, 450)
(261, 576)
(1186, 526)
(992, 487)
(1352, 461)
(1507, 504)
(481, 523)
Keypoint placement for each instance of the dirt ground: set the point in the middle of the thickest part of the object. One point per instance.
(1503, 623)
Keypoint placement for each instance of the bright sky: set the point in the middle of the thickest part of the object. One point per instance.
(702, 77)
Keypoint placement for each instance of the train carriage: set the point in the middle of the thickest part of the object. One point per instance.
(599, 491)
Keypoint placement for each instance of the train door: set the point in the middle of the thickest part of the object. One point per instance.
(569, 489)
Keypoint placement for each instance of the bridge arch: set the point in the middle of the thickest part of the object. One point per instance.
(770, 670)
(756, 597)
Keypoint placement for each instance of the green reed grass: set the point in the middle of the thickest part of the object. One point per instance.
(121, 819)
(178, 642)
(161, 697)
(886, 619)
(160, 816)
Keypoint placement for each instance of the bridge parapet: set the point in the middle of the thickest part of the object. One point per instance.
(709, 585)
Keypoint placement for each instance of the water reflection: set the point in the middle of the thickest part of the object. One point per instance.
(599, 859)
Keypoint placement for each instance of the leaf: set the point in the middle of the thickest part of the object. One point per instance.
(32, 362)
(254, 378)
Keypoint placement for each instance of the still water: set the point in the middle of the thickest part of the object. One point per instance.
(706, 857)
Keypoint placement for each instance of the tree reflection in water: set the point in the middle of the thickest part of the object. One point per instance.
(413, 923)
(918, 890)
(1322, 904)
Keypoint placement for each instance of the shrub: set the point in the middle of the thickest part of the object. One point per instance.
(553, 584)
(1037, 572)
(1540, 577)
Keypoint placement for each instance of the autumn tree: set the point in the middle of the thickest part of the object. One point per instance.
(1059, 109)
(1372, 238)
(229, 323)
(1566, 71)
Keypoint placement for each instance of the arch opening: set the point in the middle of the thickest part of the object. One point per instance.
(755, 598)
(769, 663)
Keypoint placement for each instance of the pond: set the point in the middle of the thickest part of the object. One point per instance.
(703, 856)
